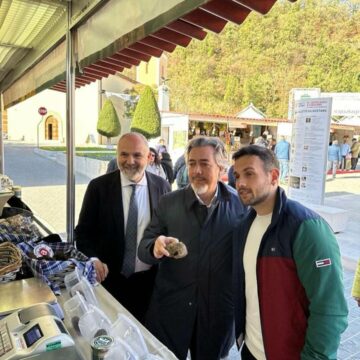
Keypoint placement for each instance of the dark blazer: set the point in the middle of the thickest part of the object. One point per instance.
(194, 292)
(100, 230)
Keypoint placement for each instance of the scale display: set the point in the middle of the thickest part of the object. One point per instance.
(33, 335)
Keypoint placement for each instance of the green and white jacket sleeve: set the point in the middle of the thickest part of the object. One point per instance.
(317, 257)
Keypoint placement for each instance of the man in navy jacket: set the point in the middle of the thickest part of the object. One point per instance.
(192, 304)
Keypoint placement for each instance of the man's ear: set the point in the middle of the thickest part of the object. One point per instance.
(221, 171)
(275, 176)
(148, 156)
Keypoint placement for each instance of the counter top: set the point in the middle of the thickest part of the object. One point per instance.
(111, 307)
(19, 294)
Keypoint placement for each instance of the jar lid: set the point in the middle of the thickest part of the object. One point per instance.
(102, 342)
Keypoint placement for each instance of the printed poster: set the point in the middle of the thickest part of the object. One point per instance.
(309, 147)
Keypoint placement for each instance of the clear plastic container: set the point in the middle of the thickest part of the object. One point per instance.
(75, 308)
(120, 351)
(85, 289)
(72, 279)
(94, 323)
(125, 329)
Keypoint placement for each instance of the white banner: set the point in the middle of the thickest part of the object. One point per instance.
(309, 146)
(344, 104)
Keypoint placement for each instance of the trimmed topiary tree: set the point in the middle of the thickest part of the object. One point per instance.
(147, 120)
(108, 124)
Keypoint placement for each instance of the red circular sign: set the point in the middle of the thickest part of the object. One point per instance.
(42, 110)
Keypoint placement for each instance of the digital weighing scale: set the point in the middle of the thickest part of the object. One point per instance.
(35, 332)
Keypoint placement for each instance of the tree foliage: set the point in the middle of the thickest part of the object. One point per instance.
(146, 118)
(108, 124)
(311, 43)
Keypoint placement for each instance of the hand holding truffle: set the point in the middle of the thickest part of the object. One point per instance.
(170, 247)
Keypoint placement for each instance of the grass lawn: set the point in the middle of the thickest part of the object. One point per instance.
(94, 152)
(98, 156)
(79, 148)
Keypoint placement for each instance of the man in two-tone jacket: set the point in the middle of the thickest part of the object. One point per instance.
(289, 295)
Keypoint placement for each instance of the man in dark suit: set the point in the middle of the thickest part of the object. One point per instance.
(116, 209)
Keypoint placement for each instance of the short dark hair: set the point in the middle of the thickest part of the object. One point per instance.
(266, 155)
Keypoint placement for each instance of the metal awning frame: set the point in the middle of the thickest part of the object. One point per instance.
(149, 35)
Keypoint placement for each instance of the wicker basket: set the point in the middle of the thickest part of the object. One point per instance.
(10, 261)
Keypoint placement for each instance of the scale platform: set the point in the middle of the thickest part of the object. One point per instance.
(20, 294)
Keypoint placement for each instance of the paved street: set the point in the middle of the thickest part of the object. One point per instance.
(44, 190)
(43, 183)
(27, 169)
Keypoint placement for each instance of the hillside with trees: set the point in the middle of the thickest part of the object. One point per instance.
(310, 43)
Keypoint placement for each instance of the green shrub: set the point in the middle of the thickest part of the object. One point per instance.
(147, 120)
(108, 124)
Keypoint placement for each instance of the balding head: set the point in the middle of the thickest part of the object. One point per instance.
(133, 136)
(133, 155)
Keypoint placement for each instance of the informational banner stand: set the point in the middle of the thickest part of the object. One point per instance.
(309, 147)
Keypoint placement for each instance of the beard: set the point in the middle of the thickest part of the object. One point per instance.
(132, 172)
(200, 189)
(250, 199)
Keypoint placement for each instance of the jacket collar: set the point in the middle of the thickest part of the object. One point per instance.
(190, 197)
(280, 202)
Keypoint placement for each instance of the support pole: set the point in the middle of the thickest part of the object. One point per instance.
(2, 155)
(70, 129)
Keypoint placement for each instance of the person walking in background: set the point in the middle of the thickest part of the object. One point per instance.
(192, 304)
(262, 141)
(355, 150)
(282, 152)
(112, 165)
(356, 285)
(289, 293)
(181, 172)
(334, 157)
(154, 164)
(161, 147)
(116, 209)
(345, 152)
(272, 144)
(167, 165)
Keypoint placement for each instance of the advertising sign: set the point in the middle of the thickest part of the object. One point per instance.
(300, 93)
(309, 145)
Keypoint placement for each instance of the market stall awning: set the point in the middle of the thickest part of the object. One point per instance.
(236, 122)
(107, 41)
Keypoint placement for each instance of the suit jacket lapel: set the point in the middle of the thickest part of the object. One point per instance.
(116, 203)
(153, 190)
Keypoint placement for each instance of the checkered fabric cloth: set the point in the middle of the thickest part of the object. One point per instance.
(52, 272)
(18, 228)
(8, 233)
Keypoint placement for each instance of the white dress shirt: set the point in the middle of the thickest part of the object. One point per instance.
(144, 215)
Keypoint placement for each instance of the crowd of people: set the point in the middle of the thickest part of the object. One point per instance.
(344, 156)
(260, 269)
